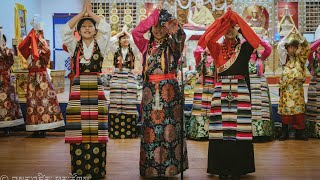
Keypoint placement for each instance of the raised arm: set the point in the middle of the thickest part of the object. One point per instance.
(103, 27)
(143, 27)
(314, 47)
(103, 40)
(197, 54)
(29, 46)
(267, 50)
(113, 45)
(95, 17)
(283, 53)
(73, 21)
(67, 32)
(304, 51)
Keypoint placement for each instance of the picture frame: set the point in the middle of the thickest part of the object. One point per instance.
(20, 21)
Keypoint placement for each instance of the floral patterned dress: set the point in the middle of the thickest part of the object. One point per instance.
(291, 100)
(43, 110)
(160, 152)
(10, 112)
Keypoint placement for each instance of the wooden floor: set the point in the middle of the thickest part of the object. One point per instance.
(21, 156)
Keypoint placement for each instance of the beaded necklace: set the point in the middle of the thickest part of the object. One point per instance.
(152, 55)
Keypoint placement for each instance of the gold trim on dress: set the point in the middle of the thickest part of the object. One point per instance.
(229, 63)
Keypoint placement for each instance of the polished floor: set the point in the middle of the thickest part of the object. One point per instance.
(22, 156)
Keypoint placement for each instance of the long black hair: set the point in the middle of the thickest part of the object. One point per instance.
(79, 24)
(164, 16)
(119, 52)
(4, 37)
(151, 39)
(120, 47)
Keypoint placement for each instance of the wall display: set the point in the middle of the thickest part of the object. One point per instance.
(287, 17)
(263, 15)
(20, 31)
(20, 14)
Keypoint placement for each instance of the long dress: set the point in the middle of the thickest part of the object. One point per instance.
(43, 110)
(10, 111)
(262, 124)
(123, 92)
(160, 150)
(230, 131)
(230, 145)
(313, 104)
(291, 100)
(199, 120)
(87, 113)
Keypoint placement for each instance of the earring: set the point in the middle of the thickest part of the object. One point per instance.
(149, 34)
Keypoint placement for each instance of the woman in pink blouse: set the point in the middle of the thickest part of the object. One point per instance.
(160, 154)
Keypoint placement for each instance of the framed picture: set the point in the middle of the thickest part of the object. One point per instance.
(293, 11)
(20, 22)
(23, 27)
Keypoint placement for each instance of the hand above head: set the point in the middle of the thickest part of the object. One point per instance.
(125, 28)
(89, 8)
(8, 51)
(171, 26)
(84, 9)
(160, 5)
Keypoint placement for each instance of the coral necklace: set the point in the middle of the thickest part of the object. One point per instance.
(228, 49)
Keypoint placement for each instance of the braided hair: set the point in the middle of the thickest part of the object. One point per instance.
(119, 50)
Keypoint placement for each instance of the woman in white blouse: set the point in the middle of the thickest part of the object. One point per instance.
(124, 49)
(87, 122)
(123, 87)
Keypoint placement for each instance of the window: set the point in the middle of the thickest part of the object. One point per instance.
(121, 6)
(312, 16)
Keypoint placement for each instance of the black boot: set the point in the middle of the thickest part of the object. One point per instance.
(223, 176)
(235, 177)
(301, 135)
(7, 131)
(36, 134)
(284, 133)
(42, 134)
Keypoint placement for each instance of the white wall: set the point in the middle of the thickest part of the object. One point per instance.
(49, 7)
(7, 15)
(45, 8)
